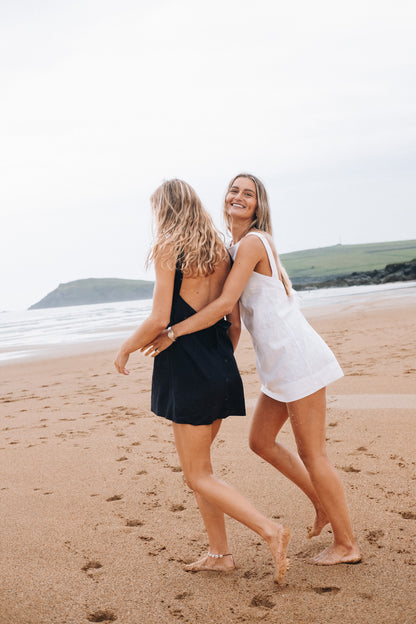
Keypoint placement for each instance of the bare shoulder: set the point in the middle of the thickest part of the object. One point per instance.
(250, 252)
(253, 244)
(266, 235)
(250, 243)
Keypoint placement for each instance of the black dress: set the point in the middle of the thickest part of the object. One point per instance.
(196, 380)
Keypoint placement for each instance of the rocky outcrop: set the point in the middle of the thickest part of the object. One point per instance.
(398, 272)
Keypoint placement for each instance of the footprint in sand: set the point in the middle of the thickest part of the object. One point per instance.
(408, 515)
(176, 612)
(183, 595)
(102, 615)
(155, 553)
(134, 523)
(326, 590)
(373, 537)
(262, 600)
(177, 508)
(91, 565)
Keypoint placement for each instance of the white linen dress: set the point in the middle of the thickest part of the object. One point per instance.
(292, 360)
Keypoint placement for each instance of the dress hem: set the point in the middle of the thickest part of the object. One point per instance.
(183, 422)
(295, 396)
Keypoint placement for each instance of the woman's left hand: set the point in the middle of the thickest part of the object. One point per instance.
(157, 345)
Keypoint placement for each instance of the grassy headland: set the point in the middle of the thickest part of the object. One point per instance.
(315, 265)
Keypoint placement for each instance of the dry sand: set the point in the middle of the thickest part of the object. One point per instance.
(97, 522)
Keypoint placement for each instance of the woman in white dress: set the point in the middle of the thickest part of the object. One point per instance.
(196, 384)
(294, 363)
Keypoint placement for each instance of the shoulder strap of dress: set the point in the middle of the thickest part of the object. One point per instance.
(178, 276)
(273, 265)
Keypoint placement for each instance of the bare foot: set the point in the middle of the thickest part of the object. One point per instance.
(278, 544)
(321, 520)
(208, 564)
(337, 554)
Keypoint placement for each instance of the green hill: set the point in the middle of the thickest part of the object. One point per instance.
(315, 265)
(86, 291)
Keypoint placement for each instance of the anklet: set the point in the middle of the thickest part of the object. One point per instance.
(219, 556)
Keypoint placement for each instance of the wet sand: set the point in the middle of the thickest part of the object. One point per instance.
(97, 522)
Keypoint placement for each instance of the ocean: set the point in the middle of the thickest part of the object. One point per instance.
(51, 332)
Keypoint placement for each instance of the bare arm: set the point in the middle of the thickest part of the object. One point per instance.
(155, 323)
(248, 255)
(235, 329)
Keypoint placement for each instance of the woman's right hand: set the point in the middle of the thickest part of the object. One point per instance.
(159, 344)
(121, 361)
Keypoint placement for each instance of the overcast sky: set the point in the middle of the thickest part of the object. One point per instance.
(101, 100)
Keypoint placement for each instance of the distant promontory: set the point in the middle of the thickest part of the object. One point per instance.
(96, 290)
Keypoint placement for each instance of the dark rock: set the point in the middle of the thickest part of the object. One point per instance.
(397, 272)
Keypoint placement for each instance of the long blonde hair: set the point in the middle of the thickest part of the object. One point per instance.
(184, 231)
(261, 220)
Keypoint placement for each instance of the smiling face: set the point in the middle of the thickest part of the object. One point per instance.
(246, 206)
(241, 200)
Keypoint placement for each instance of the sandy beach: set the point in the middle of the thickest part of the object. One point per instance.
(97, 522)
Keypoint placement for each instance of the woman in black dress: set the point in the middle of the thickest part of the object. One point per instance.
(196, 383)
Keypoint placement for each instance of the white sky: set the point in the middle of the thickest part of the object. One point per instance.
(101, 100)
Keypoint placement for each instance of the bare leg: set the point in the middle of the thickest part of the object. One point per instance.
(214, 523)
(215, 526)
(307, 417)
(269, 417)
(193, 446)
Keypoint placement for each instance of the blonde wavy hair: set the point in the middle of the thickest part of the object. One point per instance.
(261, 220)
(184, 231)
